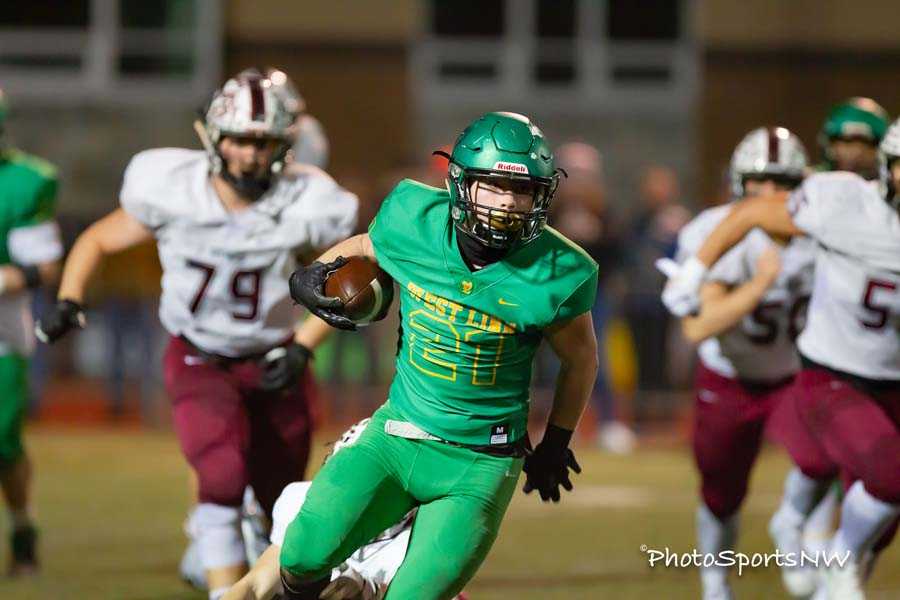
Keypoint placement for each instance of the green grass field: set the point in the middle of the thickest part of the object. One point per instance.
(111, 504)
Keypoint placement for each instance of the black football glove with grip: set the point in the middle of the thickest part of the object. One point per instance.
(307, 286)
(283, 366)
(65, 316)
(547, 467)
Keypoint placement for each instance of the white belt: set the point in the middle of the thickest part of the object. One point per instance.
(407, 430)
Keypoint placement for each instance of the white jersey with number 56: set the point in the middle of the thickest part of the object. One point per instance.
(761, 347)
(225, 274)
(853, 323)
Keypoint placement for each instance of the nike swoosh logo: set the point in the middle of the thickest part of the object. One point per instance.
(505, 303)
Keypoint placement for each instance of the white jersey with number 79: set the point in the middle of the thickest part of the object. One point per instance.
(225, 274)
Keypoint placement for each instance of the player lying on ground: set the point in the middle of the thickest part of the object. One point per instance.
(365, 575)
(849, 388)
(230, 224)
(482, 281)
(30, 249)
(753, 303)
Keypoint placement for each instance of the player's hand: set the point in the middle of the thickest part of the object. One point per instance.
(282, 366)
(682, 292)
(768, 265)
(349, 585)
(59, 320)
(307, 286)
(547, 467)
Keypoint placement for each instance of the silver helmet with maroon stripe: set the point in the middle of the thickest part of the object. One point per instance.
(767, 153)
(248, 106)
(888, 153)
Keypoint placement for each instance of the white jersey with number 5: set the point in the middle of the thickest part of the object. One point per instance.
(225, 274)
(853, 324)
(761, 348)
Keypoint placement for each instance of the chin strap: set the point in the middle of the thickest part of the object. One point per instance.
(251, 187)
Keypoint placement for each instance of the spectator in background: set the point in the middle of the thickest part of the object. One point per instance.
(582, 214)
(653, 235)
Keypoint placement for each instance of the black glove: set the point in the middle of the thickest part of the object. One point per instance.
(307, 286)
(282, 366)
(547, 467)
(62, 318)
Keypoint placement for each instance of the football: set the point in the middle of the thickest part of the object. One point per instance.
(365, 289)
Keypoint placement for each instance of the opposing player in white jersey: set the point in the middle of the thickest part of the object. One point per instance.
(753, 300)
(230, 224)
(365, 575)
(310, 147)
(849, 388)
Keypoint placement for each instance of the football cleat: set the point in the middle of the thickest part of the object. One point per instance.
(23, 560)
(843, 583)
(800, 582)
(617, 438)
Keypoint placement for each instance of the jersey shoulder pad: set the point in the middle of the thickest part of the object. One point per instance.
(412, 215)
(560, 268)
(826, 199)
(34, 188)
(692, 235)
(155, 180)
(831, 186)
(40, 168)
(324, 211)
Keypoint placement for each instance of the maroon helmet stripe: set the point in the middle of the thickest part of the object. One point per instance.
(773, 145)
(257, 100)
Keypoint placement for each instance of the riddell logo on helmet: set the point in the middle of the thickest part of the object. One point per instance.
(511, 167)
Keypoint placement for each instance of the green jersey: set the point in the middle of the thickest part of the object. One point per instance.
(468, 339)
(27, 195)
(28, 234)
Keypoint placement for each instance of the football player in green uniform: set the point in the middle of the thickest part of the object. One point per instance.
(482, 281)
(30, 250)
(850, 136)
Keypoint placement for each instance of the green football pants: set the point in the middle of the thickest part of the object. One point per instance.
(13, 398)
(370, 485)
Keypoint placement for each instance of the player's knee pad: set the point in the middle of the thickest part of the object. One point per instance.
(218, 533)
(298, 588)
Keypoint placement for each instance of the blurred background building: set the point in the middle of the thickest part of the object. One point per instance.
(648, 98)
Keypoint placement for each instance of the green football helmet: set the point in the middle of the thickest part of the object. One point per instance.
(855, 118)
(504, 150)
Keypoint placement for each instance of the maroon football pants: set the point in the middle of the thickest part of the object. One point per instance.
(232, 433)
(729, 422)
(858, 432)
